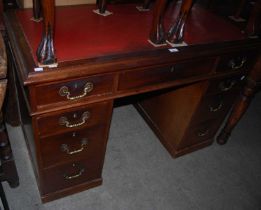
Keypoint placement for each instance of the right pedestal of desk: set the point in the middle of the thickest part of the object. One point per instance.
(187, 119)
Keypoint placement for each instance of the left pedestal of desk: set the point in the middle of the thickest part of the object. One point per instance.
(67, 146)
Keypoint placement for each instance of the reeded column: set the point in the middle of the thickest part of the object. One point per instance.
(242, 103)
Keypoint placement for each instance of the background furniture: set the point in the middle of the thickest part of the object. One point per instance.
(7, 168)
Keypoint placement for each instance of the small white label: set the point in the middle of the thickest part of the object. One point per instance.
(243, 77)
(38, 69)
(173, 50)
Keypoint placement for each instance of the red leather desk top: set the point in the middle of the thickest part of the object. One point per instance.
(81, 34)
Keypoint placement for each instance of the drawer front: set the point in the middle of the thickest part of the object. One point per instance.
(214, 107)
(225, 85)
(73, 119)
(69, 175)
(199, 133)
(152, 76)
(241, 61)
(75, 90)
(88, 144)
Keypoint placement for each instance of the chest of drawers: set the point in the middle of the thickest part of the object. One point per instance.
(66, 111)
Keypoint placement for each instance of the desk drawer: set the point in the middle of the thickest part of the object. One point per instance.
(73, 119)
(168, 73)
(199, 133)
(74, 90)
(214, 106)
(225, 85)
(86, 143)
(240, 61)
(70, 175)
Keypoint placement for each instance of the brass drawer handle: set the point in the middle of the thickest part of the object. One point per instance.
(226, 85)
(64, 121)
(64, 91)
(203, 133)
(215, 109)
(234, 66)
(81, 171)
(65, 147)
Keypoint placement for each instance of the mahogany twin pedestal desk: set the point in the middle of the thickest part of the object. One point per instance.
(66, 111)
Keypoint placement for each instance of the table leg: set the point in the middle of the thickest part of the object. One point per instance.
(45, 52)
(157, 31)
(176, 31)
(102, 5)
(237, 112)
(11, 107)
(37, 16)
(239, 9)
(242, 103)
(146, 4)
(254, 21)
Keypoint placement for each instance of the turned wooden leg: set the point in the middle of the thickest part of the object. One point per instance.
(239, 9)
(176, 31)
(242, 103)
(210, 4)
(102, 5)
(157, 31)
(237, 112)
(253, 27)
(8, 168)
(146, 4)
(45, 52)
(37, 16)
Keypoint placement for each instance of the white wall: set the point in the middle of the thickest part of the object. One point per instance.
(28, 3)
